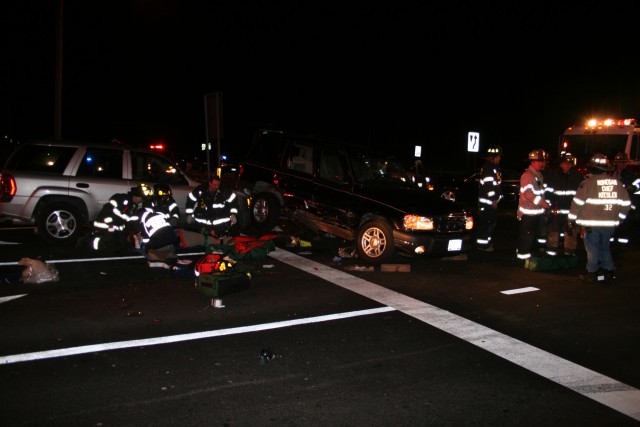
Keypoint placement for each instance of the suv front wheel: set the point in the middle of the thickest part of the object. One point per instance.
(374, 242)
(59, 223)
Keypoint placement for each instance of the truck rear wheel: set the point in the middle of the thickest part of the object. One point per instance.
(265, 211)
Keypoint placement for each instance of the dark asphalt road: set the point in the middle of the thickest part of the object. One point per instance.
(442, 344)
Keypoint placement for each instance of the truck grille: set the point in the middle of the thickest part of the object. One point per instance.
(454, 223)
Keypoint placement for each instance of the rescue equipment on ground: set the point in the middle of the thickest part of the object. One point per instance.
(550, 263)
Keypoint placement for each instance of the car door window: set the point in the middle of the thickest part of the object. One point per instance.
(332, 167)
(146, 167)
(301, 158)
(101, 163)
(39, 158)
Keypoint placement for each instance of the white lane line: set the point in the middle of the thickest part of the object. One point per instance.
(49, 354)
(614, 394)
(9, 243)
(519, 291)
(116, 258)
(12, 297)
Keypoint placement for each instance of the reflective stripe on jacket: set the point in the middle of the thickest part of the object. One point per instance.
(601, 201)
(532, 191)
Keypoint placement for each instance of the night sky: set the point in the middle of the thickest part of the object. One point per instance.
(394, 74)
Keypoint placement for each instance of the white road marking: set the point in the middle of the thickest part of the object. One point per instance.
(614, 394)
(12, 297)
(519, 291)
(115, 258)
(49, 354)
(9, 243)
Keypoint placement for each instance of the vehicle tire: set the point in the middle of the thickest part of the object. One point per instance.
(374, 241)
(60, 223)
(449, 195)
(243, 216)
(265, 211)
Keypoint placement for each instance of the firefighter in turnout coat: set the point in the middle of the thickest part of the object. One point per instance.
(562, 185)
(489, 194)
(622, 235)
(213, 207)
(600, 205)
(117, 219)
(532, 206)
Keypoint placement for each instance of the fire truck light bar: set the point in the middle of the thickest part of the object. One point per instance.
(595, 123)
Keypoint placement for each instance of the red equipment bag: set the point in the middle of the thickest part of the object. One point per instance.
(213, 262)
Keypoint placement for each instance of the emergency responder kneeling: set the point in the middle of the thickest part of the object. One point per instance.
(162, 201)
(213, 207)
(157, 237)
(117, 220)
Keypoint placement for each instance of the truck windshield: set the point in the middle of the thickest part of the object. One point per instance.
(584, 146)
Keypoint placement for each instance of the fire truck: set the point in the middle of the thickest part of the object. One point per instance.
(609, 136)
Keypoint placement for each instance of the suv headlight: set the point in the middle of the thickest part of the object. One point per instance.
(417, 222)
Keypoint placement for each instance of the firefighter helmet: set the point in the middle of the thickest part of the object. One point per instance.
(621, 157)
(538, 154)
(162, 190)
(494, 151)
(567, 157)
(600, 161)
(141, 190)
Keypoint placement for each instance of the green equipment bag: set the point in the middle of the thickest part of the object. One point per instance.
(217, 284)
(550, 263)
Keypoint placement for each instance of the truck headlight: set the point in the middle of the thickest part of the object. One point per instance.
(416, 222)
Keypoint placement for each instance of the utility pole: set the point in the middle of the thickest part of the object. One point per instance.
(57, 108)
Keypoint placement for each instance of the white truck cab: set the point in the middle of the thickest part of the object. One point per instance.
(608, 136)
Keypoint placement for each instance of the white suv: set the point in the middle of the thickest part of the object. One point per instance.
(61, 186)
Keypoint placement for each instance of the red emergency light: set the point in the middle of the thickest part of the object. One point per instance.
(157, 147)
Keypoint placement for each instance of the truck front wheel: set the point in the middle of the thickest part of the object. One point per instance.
(374, 242)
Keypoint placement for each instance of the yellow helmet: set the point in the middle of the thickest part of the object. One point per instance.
(141, 190)
(494, 151)
(538, 154)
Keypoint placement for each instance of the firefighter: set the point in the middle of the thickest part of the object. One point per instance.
(532, 206)
(116, 221)
(163, 201)
(562, 184)
(599, 206)
(213, 207)
(622, 235)
(489, 195)
(157, 237)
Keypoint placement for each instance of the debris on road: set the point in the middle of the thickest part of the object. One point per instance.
(38, 271)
